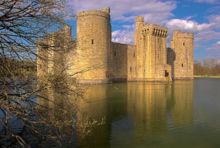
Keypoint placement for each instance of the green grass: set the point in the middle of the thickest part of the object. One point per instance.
(206, 76)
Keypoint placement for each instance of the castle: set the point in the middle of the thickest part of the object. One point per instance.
(94, 58)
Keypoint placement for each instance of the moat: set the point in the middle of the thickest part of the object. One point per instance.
(178, 114)
(142, 114)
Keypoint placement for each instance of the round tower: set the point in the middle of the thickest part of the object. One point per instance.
(139, 44)
(139, 23)
(94, 44)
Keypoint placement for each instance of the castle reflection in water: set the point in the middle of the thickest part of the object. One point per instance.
(109, 114)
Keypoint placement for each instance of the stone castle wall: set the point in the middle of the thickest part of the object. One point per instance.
(123, 65)
(132, 63)
(119, 62)
(94, 58)
(52, 52)
(93, 44)
(182, 55)
(150, 41)
(140, 53)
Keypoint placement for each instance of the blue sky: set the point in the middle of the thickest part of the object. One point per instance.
(199, 16)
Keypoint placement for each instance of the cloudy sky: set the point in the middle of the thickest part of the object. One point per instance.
(199, 16)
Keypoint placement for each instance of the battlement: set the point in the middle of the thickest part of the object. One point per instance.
(155, 30)
(150, 29)
(102, 60)
(178, 33)
(104, 12)
(107, 10)
(139, 19)
(67, 28)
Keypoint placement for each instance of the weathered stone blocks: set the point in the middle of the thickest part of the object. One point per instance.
(94, 58)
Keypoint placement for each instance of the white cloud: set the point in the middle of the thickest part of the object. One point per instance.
(188, 25)
(203, 32)
(213, 51)
(218, 43)
(214, 48)
(206, 1)
(124, 35)
(208, 35)
(215, 19)
(126, 10)
(154, 11)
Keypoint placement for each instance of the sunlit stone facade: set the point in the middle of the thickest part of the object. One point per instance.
(94, 58)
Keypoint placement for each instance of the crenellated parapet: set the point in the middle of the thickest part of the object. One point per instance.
(105, 12)
(155, 30)
(139, 19)
(94, 58)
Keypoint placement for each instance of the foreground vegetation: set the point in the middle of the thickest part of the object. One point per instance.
(22, 24)
(205, 76)
(17, 68)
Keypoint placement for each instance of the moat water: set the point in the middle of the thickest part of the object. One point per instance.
(154, 115)
(183, 114)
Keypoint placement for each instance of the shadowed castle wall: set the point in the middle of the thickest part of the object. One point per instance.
(42, 60)
(119, 62)
(182, 60)
(52, 51)
(132, 63)
(123, 65)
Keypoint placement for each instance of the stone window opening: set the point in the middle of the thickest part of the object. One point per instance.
(115, 54)
(92, 41)
(107, 74)
(183, 43)
(182, 65)
(166, 73)
(130, 69)
(134, 55)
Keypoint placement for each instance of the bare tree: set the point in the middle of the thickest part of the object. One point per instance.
(22, 24)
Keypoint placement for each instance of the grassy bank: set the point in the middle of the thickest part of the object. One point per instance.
(206, 76)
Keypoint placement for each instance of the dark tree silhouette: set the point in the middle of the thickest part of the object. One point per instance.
(22, 24)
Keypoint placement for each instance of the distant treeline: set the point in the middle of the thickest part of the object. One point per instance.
(10, 67)
(200, 70)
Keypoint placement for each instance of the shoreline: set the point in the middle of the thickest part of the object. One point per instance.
(196, 76)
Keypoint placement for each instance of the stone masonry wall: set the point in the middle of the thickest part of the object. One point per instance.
(140, 54)
(132, 63)
(93, 45)
(94, 58)
(119, 62)
(52, 52)
(150, 42)
(123, 63)
(182, 47)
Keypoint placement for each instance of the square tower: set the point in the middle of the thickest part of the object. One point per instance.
(150, 42)
(182, 49)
